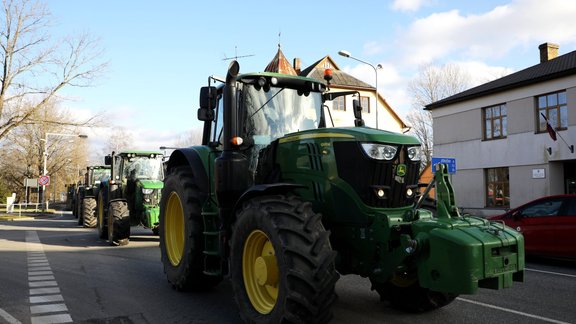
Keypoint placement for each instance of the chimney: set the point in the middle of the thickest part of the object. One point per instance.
(548, 51)
(297, 65)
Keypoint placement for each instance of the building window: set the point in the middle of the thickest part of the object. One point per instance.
(339, 104)
(554, 107)
(497, 187)
(495, 122)
(365, 103)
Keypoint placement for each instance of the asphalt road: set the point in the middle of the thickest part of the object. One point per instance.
(52, 271)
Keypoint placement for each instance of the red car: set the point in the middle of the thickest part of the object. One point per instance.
(548, 225)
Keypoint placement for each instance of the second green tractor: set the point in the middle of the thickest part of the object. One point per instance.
(131, 195)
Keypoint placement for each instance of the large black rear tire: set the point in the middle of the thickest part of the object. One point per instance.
(404, 293)
(180, 229)
(118, 223)
(282, 264)
(102, 217)
(89, 212)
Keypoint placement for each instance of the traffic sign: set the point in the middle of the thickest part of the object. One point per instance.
(451, 162)
(44, 180)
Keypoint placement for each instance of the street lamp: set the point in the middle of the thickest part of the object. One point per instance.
(45, 172)
(379, 66)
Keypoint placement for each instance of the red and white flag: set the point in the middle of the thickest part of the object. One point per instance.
(549, 128)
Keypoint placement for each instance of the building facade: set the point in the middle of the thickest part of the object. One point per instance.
(497, 132)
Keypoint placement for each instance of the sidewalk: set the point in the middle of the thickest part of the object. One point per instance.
(29, 214)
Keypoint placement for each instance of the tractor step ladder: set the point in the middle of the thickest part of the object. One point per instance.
(212, 254)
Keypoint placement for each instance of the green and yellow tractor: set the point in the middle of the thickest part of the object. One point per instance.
(131, 195)
(282, 205)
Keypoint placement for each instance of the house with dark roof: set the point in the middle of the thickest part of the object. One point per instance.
(341, 108)
(512, 138)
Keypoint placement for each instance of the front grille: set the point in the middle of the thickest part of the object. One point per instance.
(367, 175)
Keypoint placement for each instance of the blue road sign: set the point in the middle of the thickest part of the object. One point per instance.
(451, 162)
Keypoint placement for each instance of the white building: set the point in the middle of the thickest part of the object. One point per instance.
(498, 135)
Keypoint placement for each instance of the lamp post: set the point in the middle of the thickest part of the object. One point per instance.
(45, 172)
(379, 66)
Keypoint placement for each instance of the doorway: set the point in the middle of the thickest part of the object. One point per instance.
(570, 177)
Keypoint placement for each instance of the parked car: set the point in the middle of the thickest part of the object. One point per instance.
(548, 225)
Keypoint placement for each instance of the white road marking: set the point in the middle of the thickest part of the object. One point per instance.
(46, 299)
(554, 273)
(52, 308)
(8, 318)
(42, 284)
(40, 278)
(545, 319)
(50, 319)
(39, 273)
(39, 291)
(45, 295)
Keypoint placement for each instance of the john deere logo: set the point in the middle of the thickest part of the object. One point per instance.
(401, 170)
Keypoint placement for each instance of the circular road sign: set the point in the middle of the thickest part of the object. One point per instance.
(44, 180)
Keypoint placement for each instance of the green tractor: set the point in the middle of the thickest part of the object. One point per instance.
(88, 194)
(282, 205)
(131, 195)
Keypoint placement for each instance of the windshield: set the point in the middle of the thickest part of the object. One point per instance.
(279, 111)
(98, 174)
(143, 168)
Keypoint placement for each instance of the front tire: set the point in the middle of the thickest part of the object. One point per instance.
(180, 229)
(118, 223)
(89, 212)
(404, 293)
(282, 264)
(80, 213)
(102, 226)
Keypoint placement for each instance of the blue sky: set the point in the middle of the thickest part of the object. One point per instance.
(161, 53)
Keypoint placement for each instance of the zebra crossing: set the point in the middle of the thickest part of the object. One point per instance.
(46, 301)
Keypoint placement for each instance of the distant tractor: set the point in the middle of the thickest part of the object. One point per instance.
(70, 197)
(131, 195)
(282, 205)
(89, 194)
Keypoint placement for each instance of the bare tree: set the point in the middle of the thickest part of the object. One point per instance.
(35, 69)
(24, 148)
(432, 83)
(192, 137)
(119, 139)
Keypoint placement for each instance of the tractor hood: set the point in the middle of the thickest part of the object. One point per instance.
(361, 134)
(151, 184)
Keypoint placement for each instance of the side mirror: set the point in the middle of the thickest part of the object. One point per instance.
(208, 96)
(108, 160)
(205, 114)
(358, 121)
(517, 215)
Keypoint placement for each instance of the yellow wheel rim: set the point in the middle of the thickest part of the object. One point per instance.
(174, 229)
(260, 271)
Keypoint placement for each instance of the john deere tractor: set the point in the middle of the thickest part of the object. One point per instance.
(282, 205)
(130, 196)
(88, 194)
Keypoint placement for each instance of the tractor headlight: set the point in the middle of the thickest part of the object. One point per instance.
(147, 191)
(379, 151)
(414, 153)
